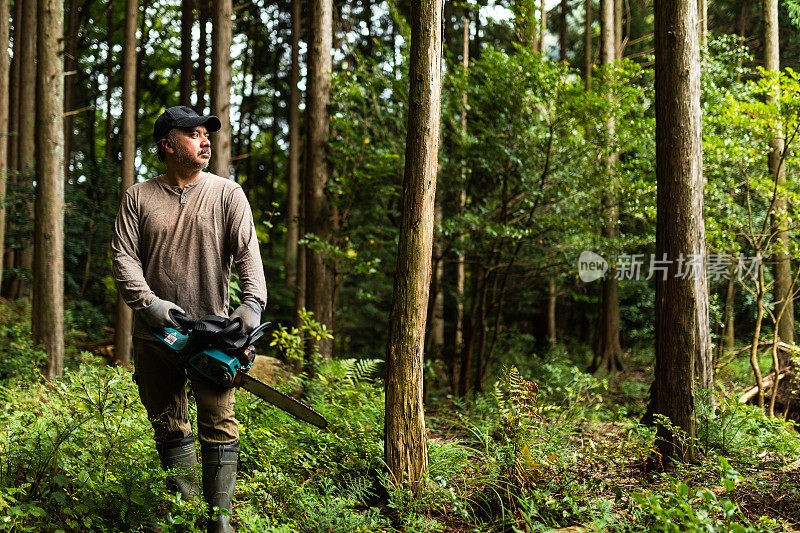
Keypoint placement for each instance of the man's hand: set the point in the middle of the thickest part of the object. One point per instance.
(250, 313)
(157, 314)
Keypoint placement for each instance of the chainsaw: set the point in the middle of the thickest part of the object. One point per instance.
(214, 348)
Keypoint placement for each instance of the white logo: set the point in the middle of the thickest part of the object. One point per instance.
(591, 266)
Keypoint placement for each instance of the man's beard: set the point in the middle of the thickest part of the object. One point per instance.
(186, 160)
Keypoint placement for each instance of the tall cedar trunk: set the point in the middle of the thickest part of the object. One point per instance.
(609, 350)
(782, 269)
(122, 333)
(682, 332)
(293, 193)
(27, 113)
(202, 54)
(434, 331)
(406, 445)
(319, 278)
(478, 275)
(13, 125)
(542, 24)
(70, 73)
(187, 67)
(618, 30)
(462, 200)
(4, 80)
(562, 31)
(587, 45)
(47, 313)
(221, 37)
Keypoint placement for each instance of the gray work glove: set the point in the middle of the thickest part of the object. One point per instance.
(157, 314)
(250, 313)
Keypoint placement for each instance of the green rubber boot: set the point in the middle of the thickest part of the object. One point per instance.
(180, 460)
(219, 481)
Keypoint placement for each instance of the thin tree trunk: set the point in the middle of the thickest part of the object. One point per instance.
(406, 443)
(682, 332)
(202, 56)
(562, 31)
(319, 278)
(221, 38)
(293, 180)
(462, 199)
(47, 313)
(70, 73)
(618, 30)
(551, 312)
(187, 67)
(782, 270)
(757, 335)
(5, 66)
(13, 114)
(122, 333)
(542, 24)
(730, 333)
(702, 15)
(610, 350)
(587, 45)
(26, 145)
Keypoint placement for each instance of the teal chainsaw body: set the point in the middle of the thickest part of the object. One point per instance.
(211, 363)
(213, 349)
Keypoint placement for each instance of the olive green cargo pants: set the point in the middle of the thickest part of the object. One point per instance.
(162, 387)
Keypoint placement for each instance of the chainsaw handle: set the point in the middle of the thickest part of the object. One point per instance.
(258, 332)
(184, 322)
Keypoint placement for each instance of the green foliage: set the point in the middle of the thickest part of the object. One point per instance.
(677, 508)
(77, 454)
(289, 341)
(19, 360)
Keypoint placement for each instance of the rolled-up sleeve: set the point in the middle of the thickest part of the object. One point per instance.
(127, 264)
(243, 241)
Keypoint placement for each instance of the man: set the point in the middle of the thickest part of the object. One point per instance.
(175, 238)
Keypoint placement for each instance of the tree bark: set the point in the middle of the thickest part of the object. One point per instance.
(618, 30)
(682, 330)
(26, 146)
(609, 348)
(542, 24)
(124, 328)
(406, 443)
(462, 201)
(187, 66)
(221, 38)
(587, 45)
(202, 55)
(13, 105)
(319, 278)
(702, 15)
(293, 179)
(5, 66)
(562, 31)
(551, 312)
(47, 313)
(782, 269)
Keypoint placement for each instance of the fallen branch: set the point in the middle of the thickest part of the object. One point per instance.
(751, 392)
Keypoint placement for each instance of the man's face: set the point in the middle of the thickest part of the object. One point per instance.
(192, 147)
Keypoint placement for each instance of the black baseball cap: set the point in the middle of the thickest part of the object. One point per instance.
(182, 117)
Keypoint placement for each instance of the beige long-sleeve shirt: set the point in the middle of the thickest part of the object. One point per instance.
(179, 244)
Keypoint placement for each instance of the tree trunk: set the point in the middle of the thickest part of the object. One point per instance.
(202, 56)
(4, 81)
(187, 67)
(221, 38)
(702, 15)
(609, 347)
(618, 30)
(319, 278)
(562, 31)
(682, 332)
(47, 313)
(123, 330)
(542, 24)
(406, 443)
(26, 147)
(587, 45)
(293, 179)
(782, 269)
(13, 114)
(551, 312)
(462, 201)
(70, 73)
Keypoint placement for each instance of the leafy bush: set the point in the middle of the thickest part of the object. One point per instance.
(18, 358)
